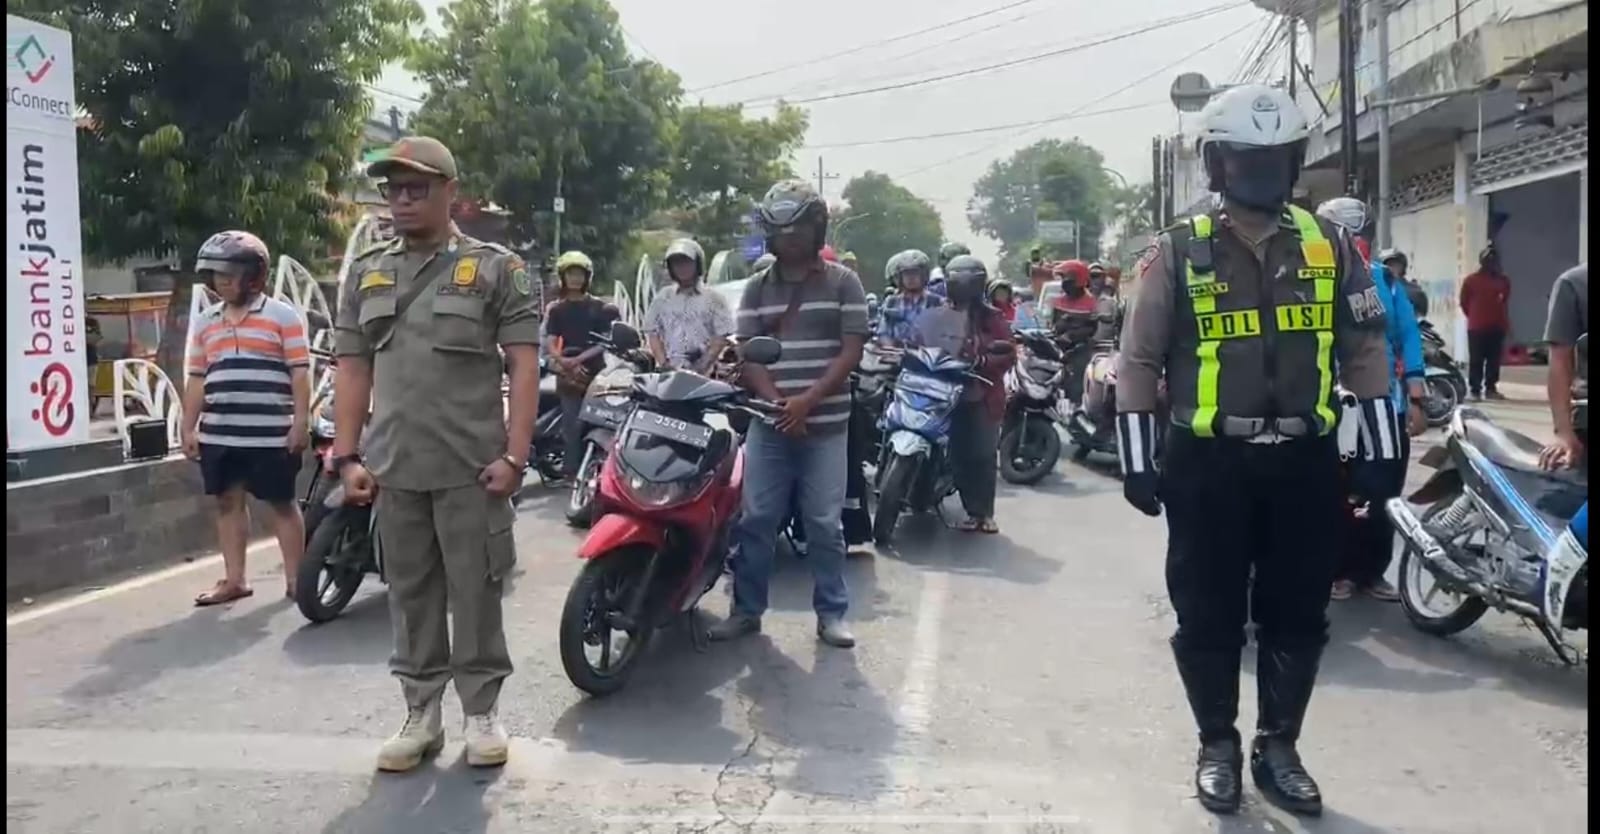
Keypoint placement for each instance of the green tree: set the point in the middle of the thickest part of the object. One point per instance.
(542, 100)
(1129, 212)
(1048, 180)
(883, 218)
(724, 162)
(213, 114)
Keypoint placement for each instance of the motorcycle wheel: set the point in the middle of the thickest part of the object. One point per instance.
(325, 583)
(580, 502)
(1027, 464)
(894, 484)
(1440, 403)
(604, 585)
(1419, 602)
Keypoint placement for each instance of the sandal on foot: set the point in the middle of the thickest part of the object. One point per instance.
(970, 525)
(221, 594)
(988, 527)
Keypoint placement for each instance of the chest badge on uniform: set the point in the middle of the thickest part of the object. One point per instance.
(374, 279)
(466, 273)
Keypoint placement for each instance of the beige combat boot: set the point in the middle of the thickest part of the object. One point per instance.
(487, 742)
(421, 736)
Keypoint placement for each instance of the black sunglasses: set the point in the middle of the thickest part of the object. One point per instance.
(415, 191)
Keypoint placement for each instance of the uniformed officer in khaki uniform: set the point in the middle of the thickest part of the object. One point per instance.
(422, 324)
(1249, 313)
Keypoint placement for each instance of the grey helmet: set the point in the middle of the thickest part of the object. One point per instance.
(903, 261)
(792, 202)
(686, 248)
(951, 250)
(1392, 254)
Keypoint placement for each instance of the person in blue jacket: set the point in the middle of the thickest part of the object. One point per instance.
(1371, 544)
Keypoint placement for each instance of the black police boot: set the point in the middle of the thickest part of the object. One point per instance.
(1284, 680)
(1211, 680)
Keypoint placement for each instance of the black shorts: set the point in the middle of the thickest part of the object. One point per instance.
(268, 474)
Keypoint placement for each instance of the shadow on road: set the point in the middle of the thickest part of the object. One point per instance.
(925, 542)
(204, 637)
(361, 636)
(1256, 817)
(828, 717)
(667, 713)
(437, 798)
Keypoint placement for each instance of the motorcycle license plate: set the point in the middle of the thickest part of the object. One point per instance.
(603, 414)
(671, 428)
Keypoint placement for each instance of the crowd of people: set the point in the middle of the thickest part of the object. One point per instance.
(431, 324)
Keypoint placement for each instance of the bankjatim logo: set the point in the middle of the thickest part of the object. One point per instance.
(30, 57)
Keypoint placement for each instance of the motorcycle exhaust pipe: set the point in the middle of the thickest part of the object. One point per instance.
(1432, 551)
(1081, 423)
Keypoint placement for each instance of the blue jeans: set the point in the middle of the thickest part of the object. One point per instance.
(777, 469)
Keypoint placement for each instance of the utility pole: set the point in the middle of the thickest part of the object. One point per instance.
(1347, 97)
(1294, 60)
(1381, 100)
(1156, 219)
(822, 178)
(560, 206)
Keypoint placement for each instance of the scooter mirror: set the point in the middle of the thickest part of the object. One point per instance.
(624, 337)
(761, 350)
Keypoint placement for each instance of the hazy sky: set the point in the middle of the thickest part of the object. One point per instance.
(711, 41)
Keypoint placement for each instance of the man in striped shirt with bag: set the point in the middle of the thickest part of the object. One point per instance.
(245, 404)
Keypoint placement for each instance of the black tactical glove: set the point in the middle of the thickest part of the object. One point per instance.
(1136, 440)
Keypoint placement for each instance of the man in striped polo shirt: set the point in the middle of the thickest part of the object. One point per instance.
(818, 310)
(245, 404)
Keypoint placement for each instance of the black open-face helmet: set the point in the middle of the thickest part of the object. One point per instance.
(791, 203)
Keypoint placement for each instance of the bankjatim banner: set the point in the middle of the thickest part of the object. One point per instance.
(47, 375)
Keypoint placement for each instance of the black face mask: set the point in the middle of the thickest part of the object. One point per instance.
(1262, 179)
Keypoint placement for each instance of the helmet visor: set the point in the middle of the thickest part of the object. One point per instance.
(231, 269)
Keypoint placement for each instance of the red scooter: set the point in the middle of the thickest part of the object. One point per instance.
(668, 497)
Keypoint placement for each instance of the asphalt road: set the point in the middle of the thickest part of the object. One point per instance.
(1012, 683)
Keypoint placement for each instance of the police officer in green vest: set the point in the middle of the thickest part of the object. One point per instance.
(1249, 313)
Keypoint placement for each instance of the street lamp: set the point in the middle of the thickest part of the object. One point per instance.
(833, 232)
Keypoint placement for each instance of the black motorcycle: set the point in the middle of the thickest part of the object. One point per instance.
(1029, 443)
(606, 406)
(341, 538)
(549, 447)
(1443, 382)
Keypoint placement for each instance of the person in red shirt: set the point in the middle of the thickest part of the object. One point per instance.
(1485, 301)
(1000, 297)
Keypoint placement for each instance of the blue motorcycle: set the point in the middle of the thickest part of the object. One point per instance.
(913, 468)
(1498, 532)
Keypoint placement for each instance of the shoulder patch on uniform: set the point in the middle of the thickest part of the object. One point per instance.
(521, 281)
(466, 272)
(1365, 306)
(375, 278)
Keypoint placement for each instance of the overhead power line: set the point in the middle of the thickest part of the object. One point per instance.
(976, 130)
(1159, 24)
(862, 48)
(1080, 109)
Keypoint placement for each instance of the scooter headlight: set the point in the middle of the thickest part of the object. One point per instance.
(616, 379)
(656, 495)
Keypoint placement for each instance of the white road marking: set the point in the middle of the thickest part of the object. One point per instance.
(915, 709)
(134, 584)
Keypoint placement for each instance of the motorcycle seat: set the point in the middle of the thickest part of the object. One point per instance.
(1511, 449)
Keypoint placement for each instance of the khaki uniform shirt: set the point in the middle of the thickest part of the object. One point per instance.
(438, 417)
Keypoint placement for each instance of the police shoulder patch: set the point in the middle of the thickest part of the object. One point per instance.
(1365, 306)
